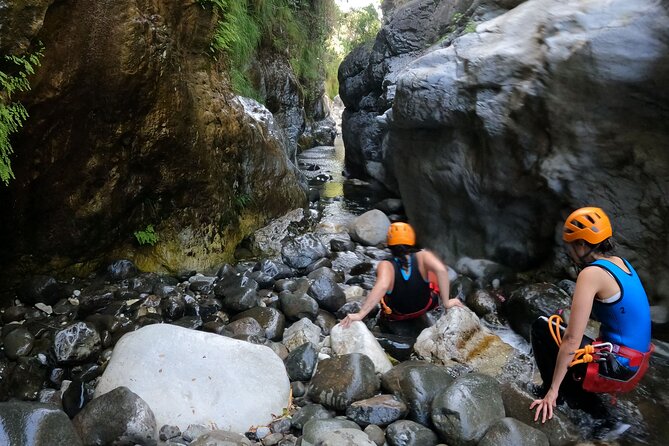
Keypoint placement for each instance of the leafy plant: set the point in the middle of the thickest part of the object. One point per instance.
(296, 28)
(243, 200)
(147, 236)
(13, 79)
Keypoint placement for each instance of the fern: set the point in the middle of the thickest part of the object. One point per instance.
(147, 236)
(13, 114)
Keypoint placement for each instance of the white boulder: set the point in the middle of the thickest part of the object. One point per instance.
(192, 377)
(358, 339)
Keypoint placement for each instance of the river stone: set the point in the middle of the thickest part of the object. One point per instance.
(303, 251)
(221, 438)
(119, 416)
(35, 424)
(559, 430)
(173, 368)
(376, 434)
(264, 281)
(416, 383)
(482, 302)
(484, 272)
(121, 270)
(328, 272)
(315, 428)
(327, 293)
(461, 287)
(246, 326)
(528, 302)
(341, 380)
(301, 332)
(301, 362)
(308, 413)
(371, 228)
(276, 270)
(239, 293)
(380, 410)
(410, 433)
(44, 289)
(511, 432)
(463, 412)
(201, 283)
(167, 432)
(325, 321)
(358, 339)
(340, 244)
(173, 307)
(270, 319)
(267, 240)
(77, 342)
(344, 437)
(298, 305)
(18, 342)
(459, 336)
(318, 264)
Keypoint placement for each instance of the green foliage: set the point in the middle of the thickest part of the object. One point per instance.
(353, 28)
(242, 201)
(14, 72)
(357, 27)
(147, 236)
(296, 28)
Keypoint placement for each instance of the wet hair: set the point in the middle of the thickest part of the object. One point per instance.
(400, 253)
(607, 247)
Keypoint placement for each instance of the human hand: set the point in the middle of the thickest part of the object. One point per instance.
(346, 322)
(545, 406)
(453, 303)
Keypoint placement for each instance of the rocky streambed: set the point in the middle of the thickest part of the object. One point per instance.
(205, 357)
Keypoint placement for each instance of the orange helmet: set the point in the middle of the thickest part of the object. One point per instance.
(589, 224)
(401, 234)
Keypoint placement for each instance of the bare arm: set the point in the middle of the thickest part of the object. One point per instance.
(385, 275)
(435, 268)
(587, 285)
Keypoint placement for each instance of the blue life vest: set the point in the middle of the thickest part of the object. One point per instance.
(626, 321)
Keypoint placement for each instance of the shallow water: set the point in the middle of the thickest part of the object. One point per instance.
(341, 198)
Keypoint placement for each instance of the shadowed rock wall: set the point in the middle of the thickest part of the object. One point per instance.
(132, 122)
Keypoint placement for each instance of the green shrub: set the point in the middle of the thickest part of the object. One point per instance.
(297, 28)
(14, 72)
(147, 236)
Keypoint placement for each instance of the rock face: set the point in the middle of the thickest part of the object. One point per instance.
(496, 135)
(175, 369)
(131, 106)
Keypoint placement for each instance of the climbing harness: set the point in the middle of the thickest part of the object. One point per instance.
(601, 356)
(433, 302)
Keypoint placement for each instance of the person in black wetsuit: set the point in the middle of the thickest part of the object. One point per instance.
(408, 285)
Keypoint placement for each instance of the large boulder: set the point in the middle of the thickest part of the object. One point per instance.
(35, 424)
(458, 336)
(192, 377)
(570, 104)
(371, 228)
(527, 303)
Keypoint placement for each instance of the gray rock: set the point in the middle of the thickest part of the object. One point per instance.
(528, 302)
(376, 434)
(276, 270)
(308, 413)
(298, 305)
(301, 332)
(77, 342)
(327, 293)
(380, 410)
(344, 437)
(238, 293)
(315, 428)
(221, 438)
(482, 303)
(511, 432)
(117, 416)
(410, 433)
(325, 321)
(463, 412)
(416, 383)
(303, 251)
(342, 380)
(18, 342)
(559, 430)
(167, 432)
(246, 326)
(201, 283)
(371, 228)
(341, 245)
(44, 289)
(121, 270)
(270, 319)
(173, 307)
(35, 424)
(194, 431)
(301, 362)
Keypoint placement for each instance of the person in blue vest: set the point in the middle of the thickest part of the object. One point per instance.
(571, 364)
(408, 285)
